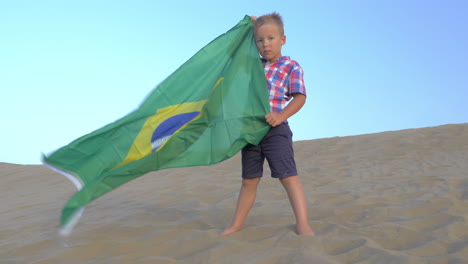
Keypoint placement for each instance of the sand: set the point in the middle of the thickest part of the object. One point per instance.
(392, 197)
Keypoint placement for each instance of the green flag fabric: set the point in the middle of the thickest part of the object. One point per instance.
(203, 113)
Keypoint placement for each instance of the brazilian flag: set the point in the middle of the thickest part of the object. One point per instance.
(204, 113)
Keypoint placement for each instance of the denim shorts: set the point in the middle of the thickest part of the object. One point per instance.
(277, 148)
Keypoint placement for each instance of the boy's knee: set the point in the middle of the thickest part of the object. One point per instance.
(289, 180)
(253, 182)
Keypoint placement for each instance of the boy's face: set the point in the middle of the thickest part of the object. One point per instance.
(269, 41)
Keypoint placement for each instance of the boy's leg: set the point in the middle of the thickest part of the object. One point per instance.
(298, 201)
(245, 202)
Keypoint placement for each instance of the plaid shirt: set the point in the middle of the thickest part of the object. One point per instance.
(284, 77)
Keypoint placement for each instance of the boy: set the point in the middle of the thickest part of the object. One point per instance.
(284, 77)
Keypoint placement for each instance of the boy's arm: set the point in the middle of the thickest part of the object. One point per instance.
(295, 105)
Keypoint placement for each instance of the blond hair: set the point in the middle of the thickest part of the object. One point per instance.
(273, 18)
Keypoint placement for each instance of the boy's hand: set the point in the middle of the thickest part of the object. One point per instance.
(274, 119)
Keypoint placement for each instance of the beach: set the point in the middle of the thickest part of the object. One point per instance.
(390, 197)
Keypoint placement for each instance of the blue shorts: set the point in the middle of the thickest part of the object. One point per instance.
(277, 148)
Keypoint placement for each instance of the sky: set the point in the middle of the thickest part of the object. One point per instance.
(68, 68)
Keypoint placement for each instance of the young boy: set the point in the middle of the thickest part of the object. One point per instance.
(284, 77)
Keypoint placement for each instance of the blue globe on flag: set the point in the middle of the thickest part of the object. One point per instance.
(168, 127)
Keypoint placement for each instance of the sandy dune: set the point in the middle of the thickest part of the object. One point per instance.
(392, 197)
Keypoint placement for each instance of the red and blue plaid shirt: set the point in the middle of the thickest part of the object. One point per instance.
(284, 78)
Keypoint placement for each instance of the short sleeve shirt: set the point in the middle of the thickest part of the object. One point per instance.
(284, 78)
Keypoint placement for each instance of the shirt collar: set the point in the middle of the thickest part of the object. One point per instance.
(282, 58)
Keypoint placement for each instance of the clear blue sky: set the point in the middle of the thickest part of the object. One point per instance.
(70, 67)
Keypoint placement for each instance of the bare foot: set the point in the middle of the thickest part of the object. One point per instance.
(229, 230)
(304, 231)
